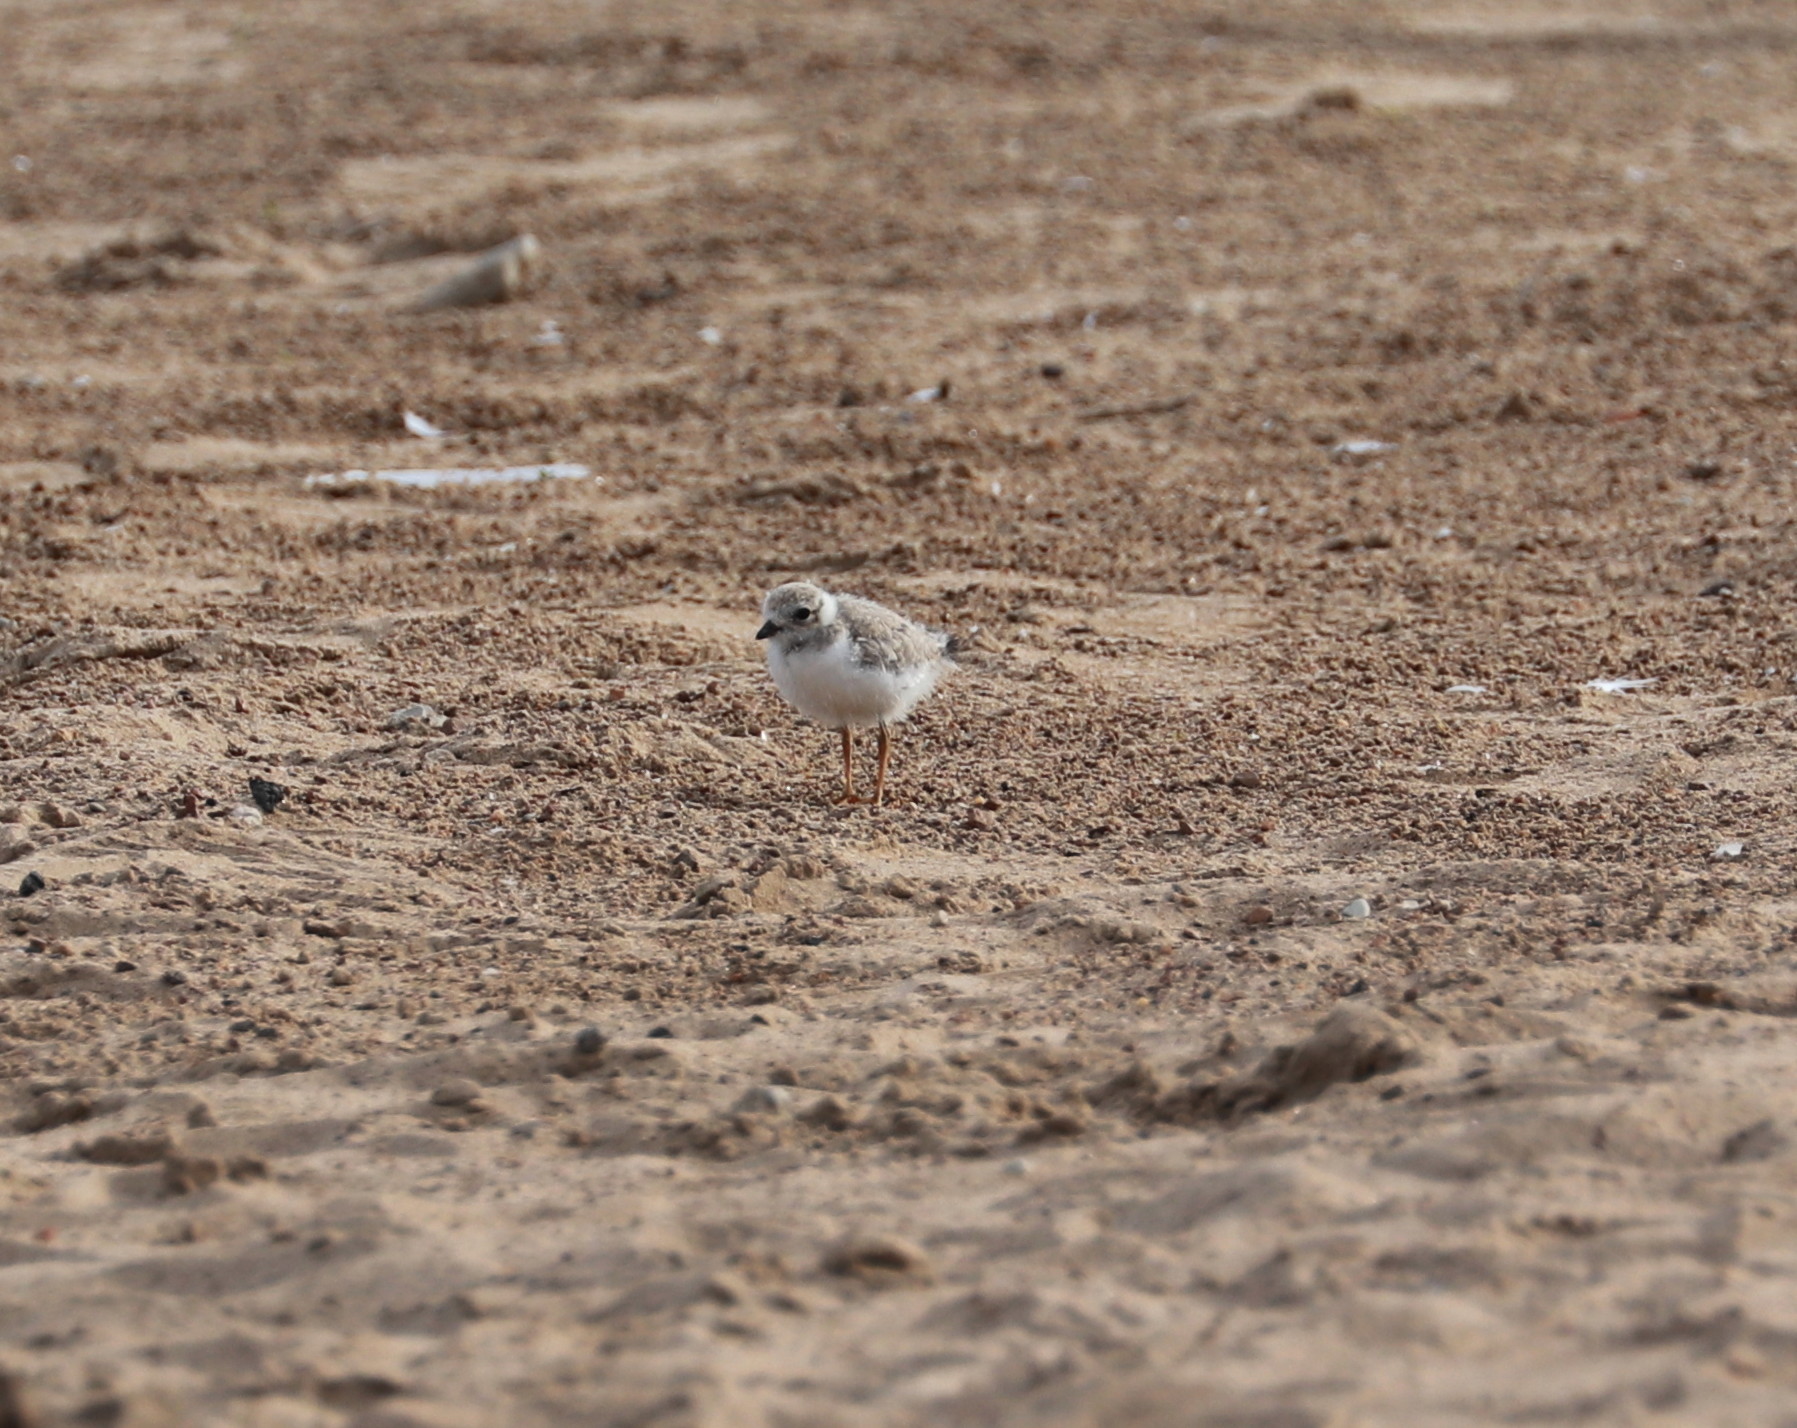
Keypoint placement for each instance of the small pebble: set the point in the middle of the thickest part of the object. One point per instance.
(57, 816)
(245, 816)
(32, 883)
(265, 795)
(1358, 910)
(416, 714)
(498, 275)
(829, 1113)
(52, 1109)
(878, 1260)
(143, 1149)
(588, 1041)
(457, 1091)
(764, 1100)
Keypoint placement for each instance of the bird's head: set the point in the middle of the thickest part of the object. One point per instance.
(795, 608)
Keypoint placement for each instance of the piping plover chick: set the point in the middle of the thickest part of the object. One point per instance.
(849, 664)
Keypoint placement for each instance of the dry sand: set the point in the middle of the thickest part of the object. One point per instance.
(1332, 392)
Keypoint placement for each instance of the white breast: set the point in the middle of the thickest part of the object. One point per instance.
(828, 686)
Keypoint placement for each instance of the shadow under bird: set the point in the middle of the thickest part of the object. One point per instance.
(850, 664)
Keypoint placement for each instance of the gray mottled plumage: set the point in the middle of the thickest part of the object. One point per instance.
(877, 637)
(849, 664)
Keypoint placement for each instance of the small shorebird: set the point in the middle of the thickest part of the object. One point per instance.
(849, 664)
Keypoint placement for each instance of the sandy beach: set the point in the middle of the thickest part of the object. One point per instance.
(1326, 957)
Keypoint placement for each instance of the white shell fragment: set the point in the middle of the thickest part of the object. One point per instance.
(1358, 910)
(432, 478)
(1727, 852)
(1362, 447)
(424, 430)
(1618, 686)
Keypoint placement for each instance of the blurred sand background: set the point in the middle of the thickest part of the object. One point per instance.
(1312, 399)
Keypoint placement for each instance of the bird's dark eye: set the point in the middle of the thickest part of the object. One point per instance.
(800, 615)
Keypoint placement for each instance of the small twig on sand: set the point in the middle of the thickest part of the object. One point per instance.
(1170, 404)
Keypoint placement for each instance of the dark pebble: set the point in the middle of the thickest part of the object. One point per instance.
(588, 1041)
(1052, 370)
(33, 883)
(174, 977)
(124, 966)
(660, 1032)
(267, 796)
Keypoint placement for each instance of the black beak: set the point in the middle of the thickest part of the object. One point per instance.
(767, 631)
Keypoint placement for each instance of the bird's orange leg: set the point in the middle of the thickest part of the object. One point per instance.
(848, 766)
(885, 758)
